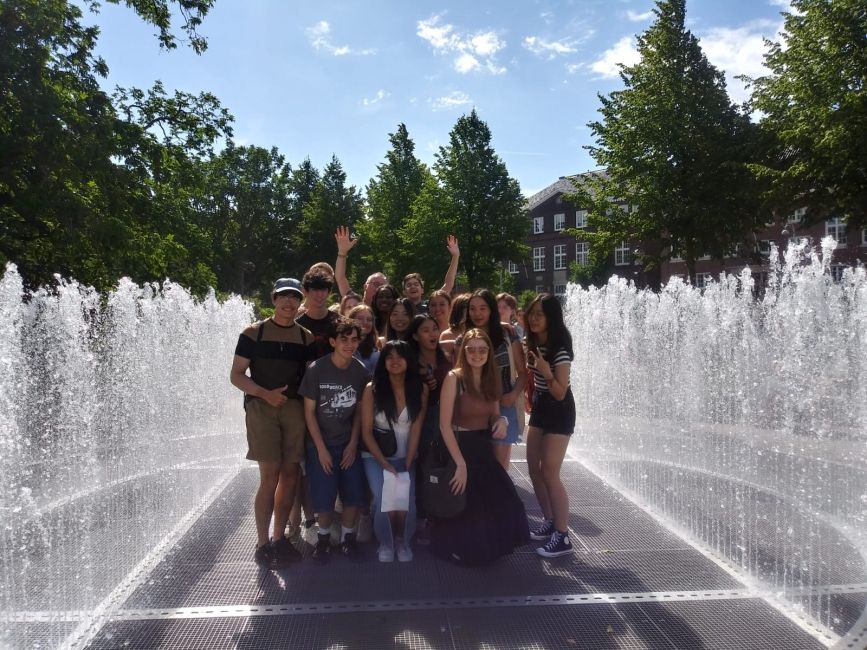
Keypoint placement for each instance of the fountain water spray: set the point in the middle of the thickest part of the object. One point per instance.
(741, 420)
(116, 419)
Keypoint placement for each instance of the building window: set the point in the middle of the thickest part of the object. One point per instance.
(581, 219)
(559, 257)
(864, 237)
(836, 229)
(764, 246)
(559, 289)
(622, 255)
(582, 253)
(513, 268)
(559, 222)
(735, 251)
(540, 288)
(837, 272)
(797, 216)
(538, 225)
(702, 280)
(539, 259)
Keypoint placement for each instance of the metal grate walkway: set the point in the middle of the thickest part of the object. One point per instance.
(631, 584)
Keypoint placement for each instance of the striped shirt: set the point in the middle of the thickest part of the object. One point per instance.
(540, 384)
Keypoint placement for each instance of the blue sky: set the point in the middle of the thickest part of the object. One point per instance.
(322, 78)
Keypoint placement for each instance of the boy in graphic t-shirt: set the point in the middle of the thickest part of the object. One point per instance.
(332, 388)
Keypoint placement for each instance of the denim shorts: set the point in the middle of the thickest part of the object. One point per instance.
(350, 483)
(513, 435)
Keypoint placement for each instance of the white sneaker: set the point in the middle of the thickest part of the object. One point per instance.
(386, 554)
(404, 553)
(365, 529)
(310, 534)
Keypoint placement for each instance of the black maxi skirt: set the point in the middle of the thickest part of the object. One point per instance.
(494, 521)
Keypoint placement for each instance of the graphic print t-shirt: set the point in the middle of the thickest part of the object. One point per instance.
(336, 392)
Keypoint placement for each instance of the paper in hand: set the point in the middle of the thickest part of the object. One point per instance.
(395, 492)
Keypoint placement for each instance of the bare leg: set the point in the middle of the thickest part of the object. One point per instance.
(534, 467)
(553, 451)
(263, 505)
(284, 496)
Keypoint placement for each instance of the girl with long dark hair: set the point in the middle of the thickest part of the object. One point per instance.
(482, 312)
(394, 400)
(549, 353)
(399, 317)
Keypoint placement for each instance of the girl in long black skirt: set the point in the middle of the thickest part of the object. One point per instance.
(493, 522)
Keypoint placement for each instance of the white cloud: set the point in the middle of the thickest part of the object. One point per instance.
(624, 51)
(636, 17)
(549, 49)
(320, 39)
(739, 51)
(455, 99)
(376, 99)
(471, 51)
(785, 4)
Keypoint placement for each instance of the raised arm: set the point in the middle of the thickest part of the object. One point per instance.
(344, 245)
(452, 273)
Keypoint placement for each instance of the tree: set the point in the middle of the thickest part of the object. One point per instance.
(472, 197)
(159, 14)
(84, 191)
(814, 103)
(674, 152)
(390, 197)
(331, 204)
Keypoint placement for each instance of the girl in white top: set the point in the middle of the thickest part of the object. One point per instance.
(394, 400)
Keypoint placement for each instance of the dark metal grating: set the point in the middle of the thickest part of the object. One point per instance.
(630, 584)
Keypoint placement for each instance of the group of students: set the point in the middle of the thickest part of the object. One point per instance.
(451, 372)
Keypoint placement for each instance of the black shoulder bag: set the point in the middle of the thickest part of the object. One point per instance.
(385, 439)
(438, 469)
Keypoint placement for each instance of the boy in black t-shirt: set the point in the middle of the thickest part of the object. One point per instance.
(276, 352)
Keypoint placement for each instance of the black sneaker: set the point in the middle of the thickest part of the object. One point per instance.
(322, 550)
(266, 556)
(349, 546)
(285, 550)
(543, 531)
(558, 545)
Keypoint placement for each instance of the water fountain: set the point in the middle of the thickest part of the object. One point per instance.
(117, 423)
(739, 421)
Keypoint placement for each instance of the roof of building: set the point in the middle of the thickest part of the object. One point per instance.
(562, 185)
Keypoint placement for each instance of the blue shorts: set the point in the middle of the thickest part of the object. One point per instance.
(513, 435)
(350, 483)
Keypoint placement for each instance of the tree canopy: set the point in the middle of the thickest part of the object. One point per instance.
(814, 106)
(472, 196)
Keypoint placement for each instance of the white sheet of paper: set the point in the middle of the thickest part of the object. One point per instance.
(395, 492)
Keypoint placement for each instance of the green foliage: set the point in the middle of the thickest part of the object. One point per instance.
(472, 197)
(674, 149)
(159, 14)
(390, 198)
(245, 213)
(527, 296)
(595, 273)
(331, 204)
(814, 103)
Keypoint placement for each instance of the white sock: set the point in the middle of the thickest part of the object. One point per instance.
(345, 530)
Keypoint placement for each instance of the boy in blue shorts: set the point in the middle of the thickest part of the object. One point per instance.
(332, 388)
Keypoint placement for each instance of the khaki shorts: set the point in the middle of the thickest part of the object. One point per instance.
(275, 434)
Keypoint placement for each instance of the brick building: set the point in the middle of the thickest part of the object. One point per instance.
(552, 250)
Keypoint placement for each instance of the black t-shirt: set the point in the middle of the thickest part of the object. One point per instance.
(278, 354)
(319, 328)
